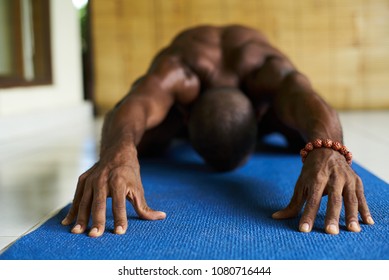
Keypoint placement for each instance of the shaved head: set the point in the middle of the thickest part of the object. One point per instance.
(222, 128)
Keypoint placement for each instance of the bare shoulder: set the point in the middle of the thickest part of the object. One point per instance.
(169, 70)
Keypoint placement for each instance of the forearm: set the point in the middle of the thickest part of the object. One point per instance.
(124, 126)
(299, 106)
(324, 172)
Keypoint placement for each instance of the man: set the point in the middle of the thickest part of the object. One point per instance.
(225, 86)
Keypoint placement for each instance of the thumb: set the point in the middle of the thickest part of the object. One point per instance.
(294, 207)
(144, 212)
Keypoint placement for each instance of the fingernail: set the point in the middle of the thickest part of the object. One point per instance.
(119, 230)
(353, 226)
(304, 227)
(94, 231)
(161, 215)
(276, 215)
(332, 229)
(370, 221)
(76, 229)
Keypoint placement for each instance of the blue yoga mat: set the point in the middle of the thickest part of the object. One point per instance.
(217, 216)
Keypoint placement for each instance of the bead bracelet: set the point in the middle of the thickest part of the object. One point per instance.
(326, 143)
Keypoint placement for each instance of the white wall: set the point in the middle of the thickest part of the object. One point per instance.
(21, 104)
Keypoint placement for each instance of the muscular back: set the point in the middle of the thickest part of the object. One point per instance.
(208, 57)
(230, 56)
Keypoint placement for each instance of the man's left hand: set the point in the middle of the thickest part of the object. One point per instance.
(326, 172)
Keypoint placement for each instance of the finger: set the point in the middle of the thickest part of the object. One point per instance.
(84, 209)
(144, 212)
(334, 206)
(99, 206)
(351, 208)
(311, 207)
(119, 209)
(362, 204)
(295, 204)
(72, 214)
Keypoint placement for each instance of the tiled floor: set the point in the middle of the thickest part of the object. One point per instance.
(38, 175)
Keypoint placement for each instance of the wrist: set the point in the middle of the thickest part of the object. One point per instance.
(326, 144)
(119, 152)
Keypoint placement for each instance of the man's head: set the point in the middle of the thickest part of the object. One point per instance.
(222, 128)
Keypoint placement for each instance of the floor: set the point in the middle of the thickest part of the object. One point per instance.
(38, 175)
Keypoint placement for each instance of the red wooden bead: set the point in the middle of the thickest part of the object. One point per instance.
(349, 156)
(343, 150)
(327, 143)
(303, 153)
(309, 146)
(317, 143)
(336, 145)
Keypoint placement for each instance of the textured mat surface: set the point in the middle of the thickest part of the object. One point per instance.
(217, 216)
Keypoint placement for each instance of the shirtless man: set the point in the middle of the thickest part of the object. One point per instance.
(225, 86)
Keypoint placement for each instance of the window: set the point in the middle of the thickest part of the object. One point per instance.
(25, 55)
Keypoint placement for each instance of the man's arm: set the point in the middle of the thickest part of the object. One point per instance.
(149, 101)
(117, 173)
(325, 171)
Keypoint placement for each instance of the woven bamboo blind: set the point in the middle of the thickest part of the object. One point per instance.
(342, 45)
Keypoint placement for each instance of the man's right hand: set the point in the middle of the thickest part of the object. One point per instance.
(116, 175)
